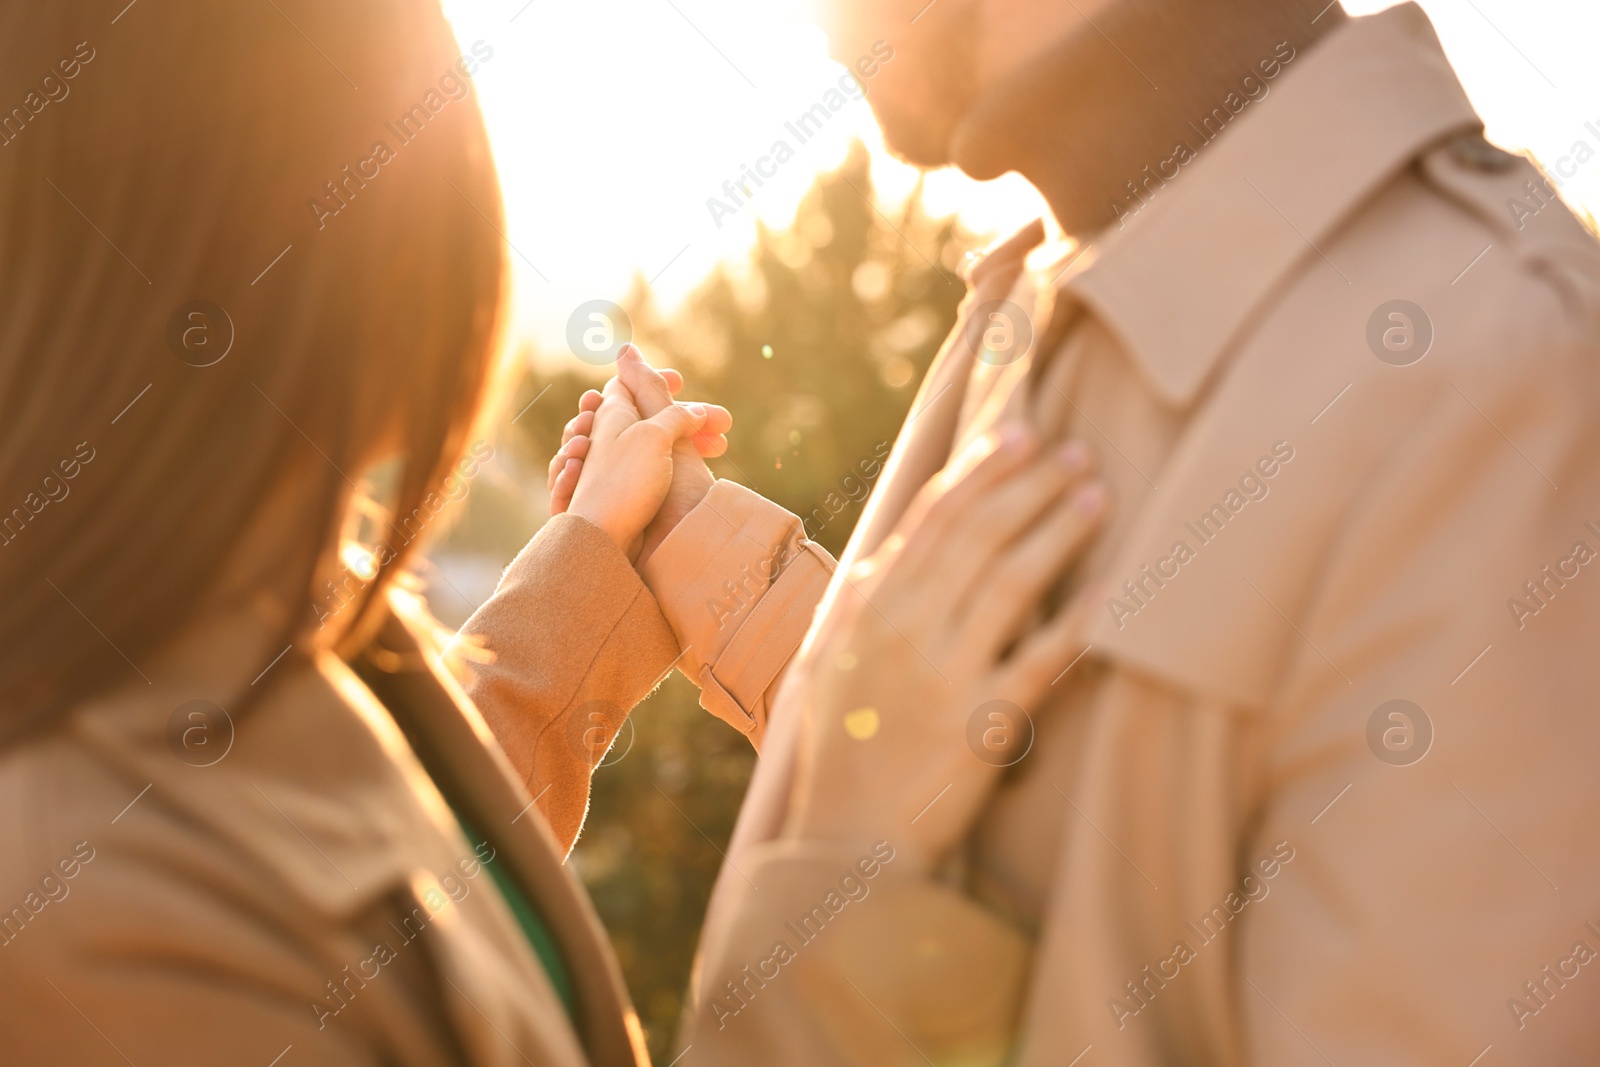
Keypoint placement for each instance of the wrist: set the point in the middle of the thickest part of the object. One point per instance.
(623, 537)
(680, 503)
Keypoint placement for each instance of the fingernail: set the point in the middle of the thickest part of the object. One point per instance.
(1090, 499)
(627, 349)
(697, 410)
(1074, 456)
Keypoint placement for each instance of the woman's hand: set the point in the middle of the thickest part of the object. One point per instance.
(567, 464)
(938, 623)
(652, 391)
(628, 460)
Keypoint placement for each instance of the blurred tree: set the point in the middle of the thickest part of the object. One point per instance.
(816, 344)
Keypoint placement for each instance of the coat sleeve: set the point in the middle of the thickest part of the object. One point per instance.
(573, 637)
(739, 582)
(782, 977)
(570, 641)
(802, 959)
(825, 957)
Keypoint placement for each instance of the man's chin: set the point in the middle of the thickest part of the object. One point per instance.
(912, 139)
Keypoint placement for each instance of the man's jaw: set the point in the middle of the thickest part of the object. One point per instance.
(913, 139)
(921, 97)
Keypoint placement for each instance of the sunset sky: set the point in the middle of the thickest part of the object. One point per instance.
(614, 121)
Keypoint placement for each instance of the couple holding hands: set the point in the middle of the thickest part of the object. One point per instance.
(940, 626)
(1308, 795)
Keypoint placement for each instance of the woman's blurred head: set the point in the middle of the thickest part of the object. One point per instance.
(246, 250)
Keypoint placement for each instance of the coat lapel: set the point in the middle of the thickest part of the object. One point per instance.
(336, 798)
(920, 451)
(930, 430)
(461, 755)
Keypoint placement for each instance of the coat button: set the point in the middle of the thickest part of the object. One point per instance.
(1473, 152)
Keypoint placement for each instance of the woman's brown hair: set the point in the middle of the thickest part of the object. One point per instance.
(246, 248)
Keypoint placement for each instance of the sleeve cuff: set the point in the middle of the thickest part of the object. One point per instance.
(738, 581)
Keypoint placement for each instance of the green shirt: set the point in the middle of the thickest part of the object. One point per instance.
(533, 925)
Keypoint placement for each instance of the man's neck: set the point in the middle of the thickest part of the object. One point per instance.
(1085, 119)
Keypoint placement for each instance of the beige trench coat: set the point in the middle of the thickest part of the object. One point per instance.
(1342, 376)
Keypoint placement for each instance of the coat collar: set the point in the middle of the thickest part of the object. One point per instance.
(326, 782)
(1338, 121)
(286, 749)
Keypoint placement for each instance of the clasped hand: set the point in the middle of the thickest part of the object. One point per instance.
(632, 461)
(938, 624)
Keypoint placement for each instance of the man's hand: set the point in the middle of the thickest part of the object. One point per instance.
(628, 463)
(895, 683)
(566, 467)
(691, 478)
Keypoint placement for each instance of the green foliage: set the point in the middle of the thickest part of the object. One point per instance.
(816, 345)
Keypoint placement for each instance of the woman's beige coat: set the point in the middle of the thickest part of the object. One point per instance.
(286, 886)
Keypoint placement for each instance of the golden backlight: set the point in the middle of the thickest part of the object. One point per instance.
(614, 123)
